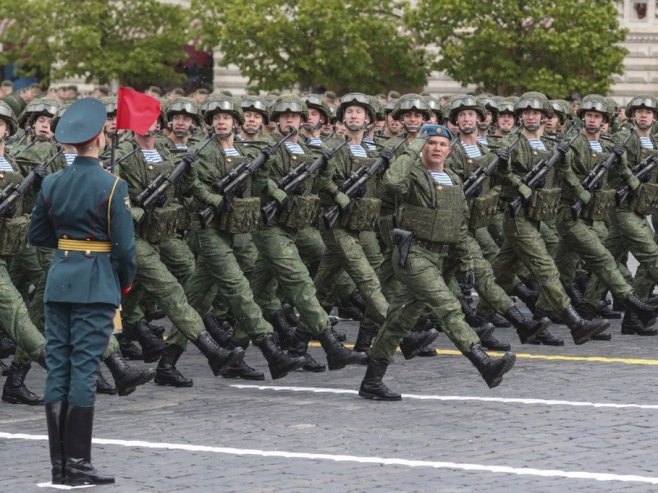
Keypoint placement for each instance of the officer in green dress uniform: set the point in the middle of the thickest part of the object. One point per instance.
(83, 212)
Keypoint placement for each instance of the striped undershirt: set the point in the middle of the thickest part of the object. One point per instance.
(152, 156)
(441, 178)
(537, 144)
(357, 150)
(294, 148)
(483, 141)
(595, 145)
(315, 141)
(370, 143)
(472, 150)
(70, 156)
(181, 147)
(231, 151)
(5, 166)
(646, 143)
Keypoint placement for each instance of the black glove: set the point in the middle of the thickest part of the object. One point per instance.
(619, 149)
(268, 150)
(466, 279)
(477, 191)
(40, 173)
(503, 154)
(387, 154)
(240, 189)
(645, 178)
(300, 189)
(563, 147)
(189, 158)
(325, 154)
(360, 192)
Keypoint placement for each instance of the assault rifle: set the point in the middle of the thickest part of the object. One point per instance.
(538, 174)
(153, 195)
(473, 182)
(296, 177)
(352, 186)
(11, 193)
(231, 182)
(592, 180)
(642, 170)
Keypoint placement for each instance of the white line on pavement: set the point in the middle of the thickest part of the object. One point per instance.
(519, 471)
(505, 400)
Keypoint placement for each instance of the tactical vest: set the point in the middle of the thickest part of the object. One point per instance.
(244, 214)
(603, 199)
(13, 230)
(440, 222)
(303, 210)
(482, 209)
(644, 200)
(363, 212)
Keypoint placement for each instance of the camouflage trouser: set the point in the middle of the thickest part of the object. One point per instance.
(279, 262)
(15, 321)
(524, 245)
(495, 229)
(422, 287)
(24, 268)
(218, 265)
(487, 244)
(644, 283)
(345, 253)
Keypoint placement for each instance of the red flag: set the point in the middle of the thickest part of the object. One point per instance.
(136, 111)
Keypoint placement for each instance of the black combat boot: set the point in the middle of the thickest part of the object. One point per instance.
(487, 338)
(525, 294)
(500, 321)
(526, 327)
(219, 359)
(78, 469)
(284, 331)
(126, 378)
(218, 329)
(166, 372)
(646, 311)
(4, 369)
(349, 311)
(279, 362)
(7, 347)
(632, 324)
(299, 348)
(470, 314)
(289, 312)
(583, 330)
(366, 334)
(339, 356)
(491, 369)
(55, 418)
(152, 346)
(539, 313)
(357, 300)
(414, 342)
(547, 339)
(372, 386)
(129, 349)
(103, 386)
(242, 369)
(15, 391)
(157, 329)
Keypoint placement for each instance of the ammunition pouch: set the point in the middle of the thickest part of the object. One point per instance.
(434, 225)
(361, 215)
(13, 235)
(599, 206)
(244, 216)
(645, 199)
(301, 212)
(543, 204)
(483, 210)
(161, 223)
(385, 225)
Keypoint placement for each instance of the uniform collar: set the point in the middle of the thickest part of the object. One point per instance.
(84, 160)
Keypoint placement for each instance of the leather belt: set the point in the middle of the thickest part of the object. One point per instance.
(431, 246)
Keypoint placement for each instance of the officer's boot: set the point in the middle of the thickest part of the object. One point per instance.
(78, 469)
(525, 294)
(103, 386)
(279, 362)
(7, 347)
(632, 324)
(152, 346)
(372, 386)
(219, 359)
(526, 327)
(284, 331)
(126, 378)
(55, 418)
(288, 310)
(491, 369)
(129, 349)
(299, 348)
(15, 391)
(220, 331)
(166, 372)
(414, 342)
(364, 337)
(339, 356)
(487, 338)
(583, 330)
(241, 369)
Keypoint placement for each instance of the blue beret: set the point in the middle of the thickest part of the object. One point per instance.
(81, 122)
(427, 131)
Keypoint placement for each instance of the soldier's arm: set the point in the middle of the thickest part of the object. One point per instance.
(570, 179)
(396, 178)
(507, 177)
(122, 236)
(41, 232)
(269, 188)
(201, 187)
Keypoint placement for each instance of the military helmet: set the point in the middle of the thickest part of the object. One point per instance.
(289, 103)
(562, 109)
(594, 102)
(256, 104)
(110, 104)
(42, 106)
(390, 106)
(356, 99)
(533, 101)
(461, 103)
(184, 106)
(505, 106)
(409, 102)
(648, 102)
(7, 114)
(221, 103)
(58, 116)
(489, 104)
(378, 107)
(435, 107)
(315, 101)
